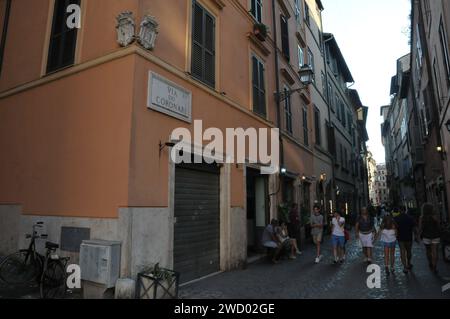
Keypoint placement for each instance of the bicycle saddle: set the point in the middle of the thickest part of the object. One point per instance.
(50, 245)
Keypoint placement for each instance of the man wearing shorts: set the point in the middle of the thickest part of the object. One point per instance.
(365, 232)
(317, 230)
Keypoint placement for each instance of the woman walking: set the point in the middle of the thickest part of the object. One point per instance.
(365, 231)
(430, 233)
(388, 234)
(338, 237)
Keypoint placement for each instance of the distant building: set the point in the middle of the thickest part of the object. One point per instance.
(380, 186)
(372, 170)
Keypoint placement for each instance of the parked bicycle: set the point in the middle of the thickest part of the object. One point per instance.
(27, 266)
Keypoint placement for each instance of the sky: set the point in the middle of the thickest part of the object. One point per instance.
(372, 36)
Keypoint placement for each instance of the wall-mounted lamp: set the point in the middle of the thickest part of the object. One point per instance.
(303, 178)
(441, 151)
(306, 75)
(163, 146)
(283, 171)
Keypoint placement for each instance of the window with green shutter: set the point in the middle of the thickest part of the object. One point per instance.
(317, 126)
(305, 127)
(288, 111)
(258, 84)
(203, 45)
(285, 37)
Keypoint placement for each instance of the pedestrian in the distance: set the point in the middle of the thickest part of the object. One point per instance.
(365, 232)
(405, 233)
(317, 230)
(430, 233)
(388, 234)
(338, 237)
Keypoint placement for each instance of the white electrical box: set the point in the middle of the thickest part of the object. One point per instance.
(100, 261)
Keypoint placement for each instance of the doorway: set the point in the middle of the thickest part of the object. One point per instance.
(257, 210)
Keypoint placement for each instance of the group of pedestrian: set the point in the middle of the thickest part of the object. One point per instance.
(399, 228)
(339, 234)
(281, 238)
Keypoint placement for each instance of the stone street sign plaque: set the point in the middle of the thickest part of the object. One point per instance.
(169, 98)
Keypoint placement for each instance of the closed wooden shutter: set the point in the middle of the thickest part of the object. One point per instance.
(285, 37)
(203, 45)
(259, 91)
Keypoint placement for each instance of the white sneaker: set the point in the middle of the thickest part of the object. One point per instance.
(317, 260)
(299, 252)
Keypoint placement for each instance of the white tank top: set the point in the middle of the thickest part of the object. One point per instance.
(388, 236)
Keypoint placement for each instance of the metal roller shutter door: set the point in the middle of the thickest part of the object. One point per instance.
(197, 227)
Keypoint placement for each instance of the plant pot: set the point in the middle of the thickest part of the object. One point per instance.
(260, 31)
(150, 286)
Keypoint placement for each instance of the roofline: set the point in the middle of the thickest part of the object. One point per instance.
(342, 63)
(320, 5)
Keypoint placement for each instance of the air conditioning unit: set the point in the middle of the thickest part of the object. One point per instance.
(100, 262)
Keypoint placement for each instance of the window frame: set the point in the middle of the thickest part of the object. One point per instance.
(60, 63)
(284, 31)
(301, 56)
(311, 63)
(254, 5)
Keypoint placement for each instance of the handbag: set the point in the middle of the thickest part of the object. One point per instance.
(347, 235)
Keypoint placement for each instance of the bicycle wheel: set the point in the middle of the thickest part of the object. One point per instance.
(53, 282)
(20, 268)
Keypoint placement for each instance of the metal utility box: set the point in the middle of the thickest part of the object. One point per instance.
(100, 262)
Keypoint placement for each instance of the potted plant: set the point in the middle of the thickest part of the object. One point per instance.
(283, 212)
(260, 30)
(157, 283)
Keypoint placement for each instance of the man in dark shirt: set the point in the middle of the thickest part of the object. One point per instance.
(406, 227)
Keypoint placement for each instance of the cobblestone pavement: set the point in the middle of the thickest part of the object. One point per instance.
(301, 279)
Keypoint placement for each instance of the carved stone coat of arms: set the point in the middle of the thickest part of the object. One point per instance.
(148, 32)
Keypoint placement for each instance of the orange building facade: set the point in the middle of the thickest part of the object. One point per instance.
(81, 147)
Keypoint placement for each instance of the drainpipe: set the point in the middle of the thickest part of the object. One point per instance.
(333, 177)
(277, 82)
(4, 32)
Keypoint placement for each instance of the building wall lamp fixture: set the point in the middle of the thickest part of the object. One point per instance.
(306, 74)
(441, 151)
(163, 146)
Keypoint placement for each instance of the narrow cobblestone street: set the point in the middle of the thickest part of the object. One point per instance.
(302, 279)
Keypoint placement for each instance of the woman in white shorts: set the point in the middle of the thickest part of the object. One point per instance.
(430, 231)
(365, 232)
